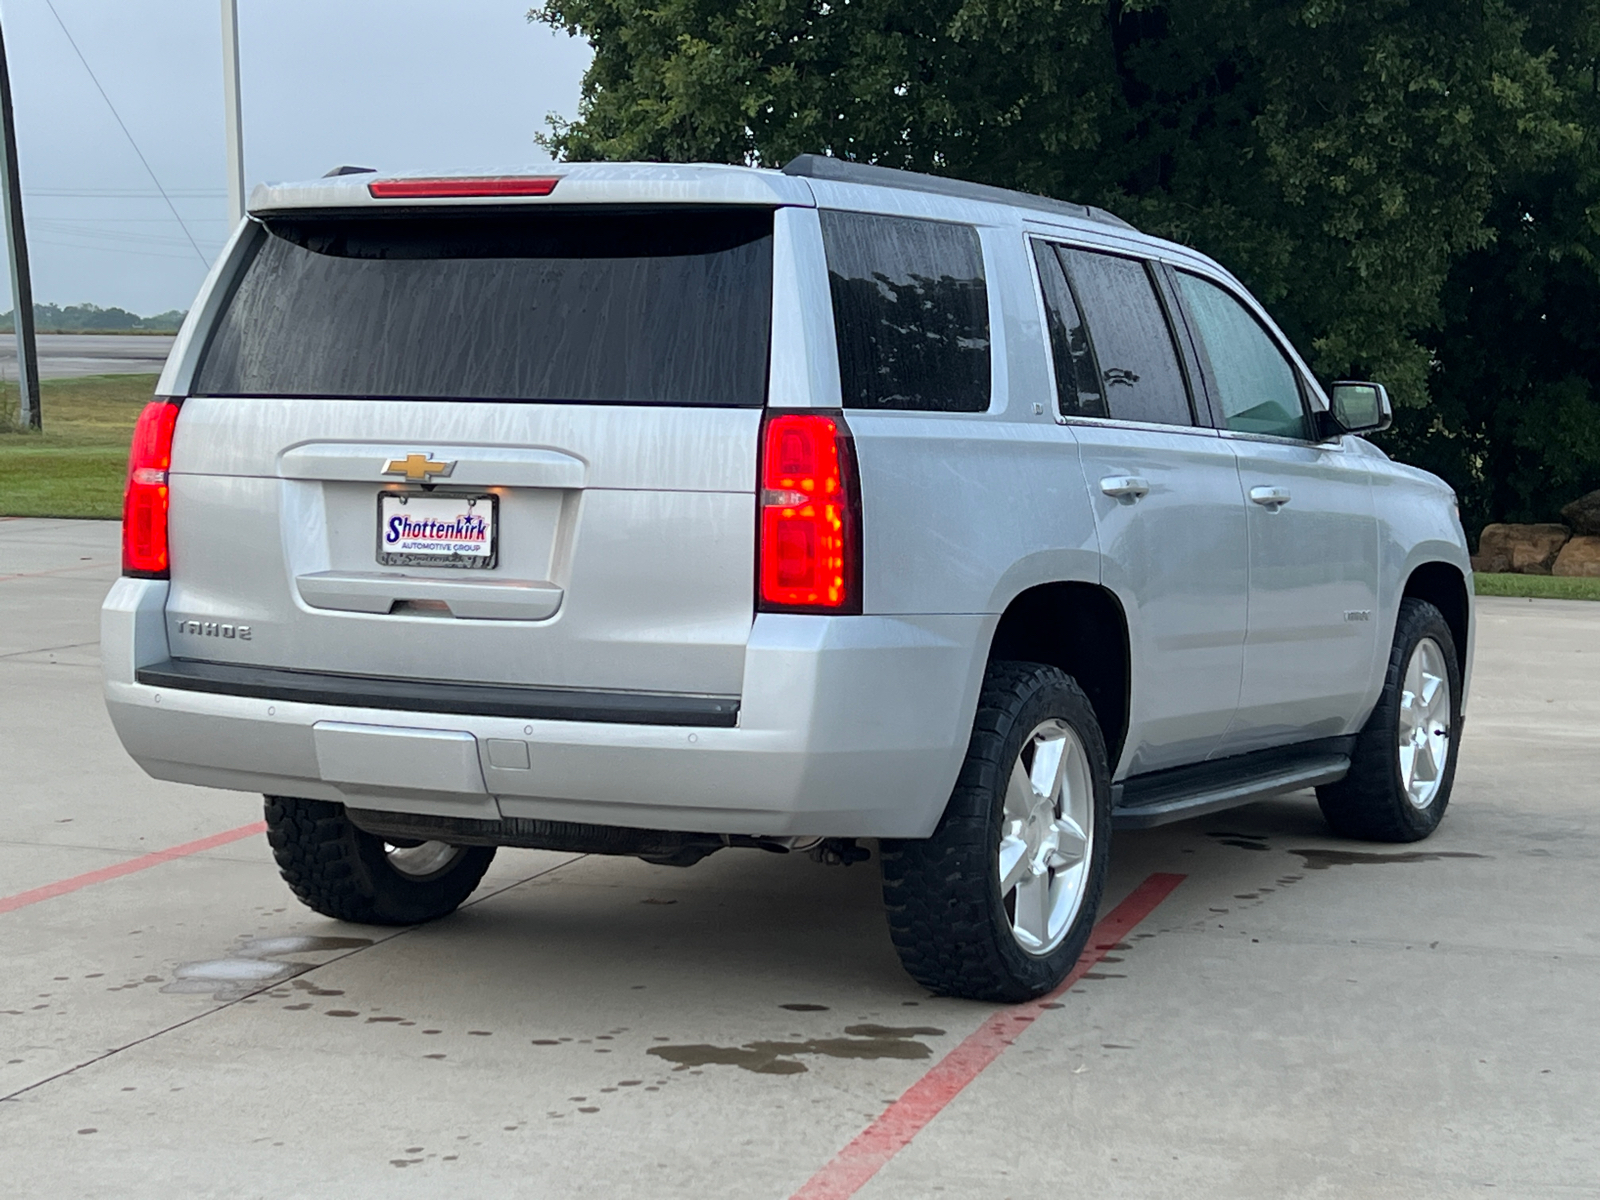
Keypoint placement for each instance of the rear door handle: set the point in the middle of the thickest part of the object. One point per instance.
(1272, 498)
(1125, 487)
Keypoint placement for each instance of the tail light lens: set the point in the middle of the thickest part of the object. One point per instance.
(458, 188)
(810, 557)
(144, 503)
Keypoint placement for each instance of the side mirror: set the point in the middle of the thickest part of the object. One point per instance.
(1355, 407)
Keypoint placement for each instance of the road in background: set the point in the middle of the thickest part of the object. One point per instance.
(66, 355)
(1302, 1016)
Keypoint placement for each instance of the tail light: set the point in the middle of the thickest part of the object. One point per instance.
(144, 504)
(810, 510)
(459, 188)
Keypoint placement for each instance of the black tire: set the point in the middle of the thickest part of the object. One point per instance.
(343, 872)
(1371, 802)
(947, 917)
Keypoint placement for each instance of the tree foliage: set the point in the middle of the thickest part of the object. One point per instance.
(1411, 188)
(91, 318)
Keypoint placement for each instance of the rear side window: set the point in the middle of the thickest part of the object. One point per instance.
(666, 307)
(1132, 341)
(1258, 388)
(1077, 379)
(910, 312)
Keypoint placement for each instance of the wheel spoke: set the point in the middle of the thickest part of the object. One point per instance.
(1019, 794)
(1071, 844)
(1033, 907)
(1424, 766)
(1430, 690)
(1016, 863)
(1413, 684)
(1049, 757)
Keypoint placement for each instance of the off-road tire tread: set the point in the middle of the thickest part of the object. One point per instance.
(335, 869)
(941, 918)
(1369, 804)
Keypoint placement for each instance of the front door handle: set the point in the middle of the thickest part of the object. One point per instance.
(1125, 487)
(1270, 498)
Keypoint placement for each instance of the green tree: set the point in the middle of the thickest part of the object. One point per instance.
(1514, 421)
(1343, 157)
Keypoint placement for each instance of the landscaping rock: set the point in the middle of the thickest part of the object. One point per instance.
(1580, 556)
(1523, 549)
(1583, 514)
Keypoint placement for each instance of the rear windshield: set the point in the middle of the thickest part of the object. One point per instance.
(623, 308)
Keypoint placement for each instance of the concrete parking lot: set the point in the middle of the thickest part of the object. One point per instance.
(1299, 1016)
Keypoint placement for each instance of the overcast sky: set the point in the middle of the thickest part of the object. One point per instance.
(392, 84)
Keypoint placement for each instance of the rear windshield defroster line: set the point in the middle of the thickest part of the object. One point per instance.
(657, 307)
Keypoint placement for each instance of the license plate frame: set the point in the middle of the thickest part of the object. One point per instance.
(472, 503)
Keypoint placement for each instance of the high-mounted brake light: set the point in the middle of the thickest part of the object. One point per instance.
(809, 519)
(460, 189)
(144, 503)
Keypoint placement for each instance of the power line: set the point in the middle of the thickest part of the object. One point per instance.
(100, 249)
(50, 4)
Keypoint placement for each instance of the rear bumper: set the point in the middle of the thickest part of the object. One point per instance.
(847, 726)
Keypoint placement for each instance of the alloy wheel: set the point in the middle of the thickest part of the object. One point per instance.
(1045, 836)
(1424, 743)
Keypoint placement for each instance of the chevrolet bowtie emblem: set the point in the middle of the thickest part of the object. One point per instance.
(418, 466)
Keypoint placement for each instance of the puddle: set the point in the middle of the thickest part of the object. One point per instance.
(254, 964)
(782, 1058)
(231, 978)
(1321, 860)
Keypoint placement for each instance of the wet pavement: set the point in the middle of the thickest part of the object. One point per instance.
(1301, 1016)
(64, 355)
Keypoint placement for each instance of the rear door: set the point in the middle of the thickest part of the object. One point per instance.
(1165, 493)
(503, 447)
(1313, 640)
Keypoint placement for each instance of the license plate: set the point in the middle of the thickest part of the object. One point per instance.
(418, 529)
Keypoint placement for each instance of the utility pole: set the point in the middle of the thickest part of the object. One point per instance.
(17, 244)
(230, 108)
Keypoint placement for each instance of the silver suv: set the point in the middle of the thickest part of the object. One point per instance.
(649, 510)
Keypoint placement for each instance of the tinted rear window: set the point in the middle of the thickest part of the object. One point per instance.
(654, 308)
(910, 312)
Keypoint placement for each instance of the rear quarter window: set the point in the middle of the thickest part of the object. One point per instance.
(663, 307)
(910, 312)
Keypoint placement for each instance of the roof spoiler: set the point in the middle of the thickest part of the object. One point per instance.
(840, 170)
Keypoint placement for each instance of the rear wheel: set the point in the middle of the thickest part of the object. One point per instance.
(346, 873)
(1404, 762)
(999, 902)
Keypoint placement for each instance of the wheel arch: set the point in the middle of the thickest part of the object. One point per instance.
(1443, 585)
(1080, 628)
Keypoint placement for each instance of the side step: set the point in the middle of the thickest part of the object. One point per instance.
(1162, 797)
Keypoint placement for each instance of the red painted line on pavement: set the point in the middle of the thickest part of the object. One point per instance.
(62, 886)
(925, 1099)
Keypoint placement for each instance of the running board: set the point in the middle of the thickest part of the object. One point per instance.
(1166, 796)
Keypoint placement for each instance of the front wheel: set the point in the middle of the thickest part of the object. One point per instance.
(349, 874)
(1404, 762)
(997, 905)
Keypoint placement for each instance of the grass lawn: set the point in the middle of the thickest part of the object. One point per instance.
(74, 468)
(1538, 587)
